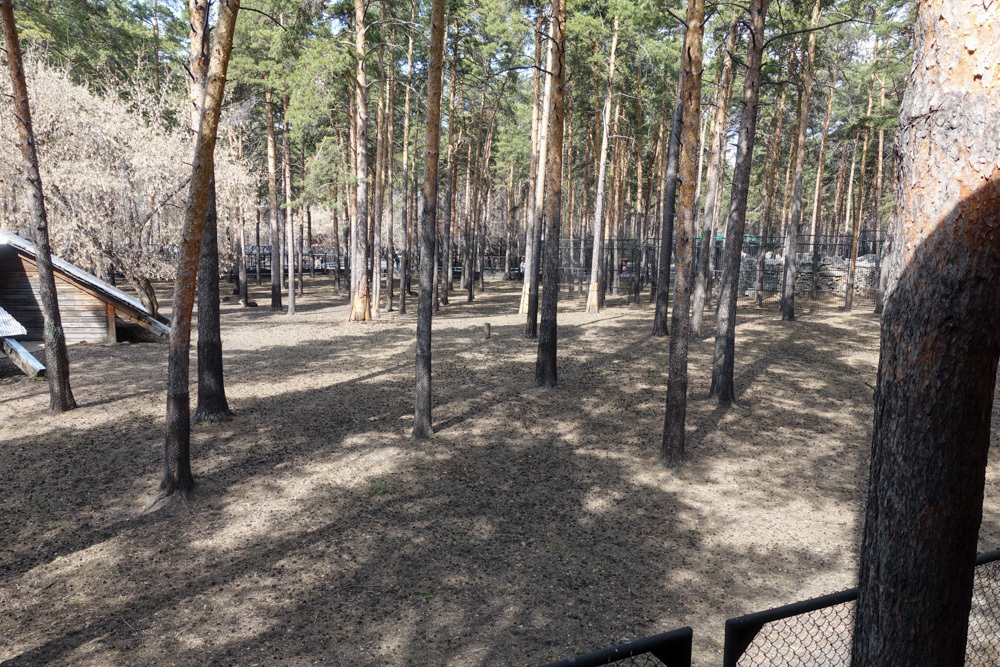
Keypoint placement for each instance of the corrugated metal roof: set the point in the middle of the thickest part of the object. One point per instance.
(7, 238)
(9, 326)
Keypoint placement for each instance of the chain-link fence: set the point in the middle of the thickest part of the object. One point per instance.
(819, 631)
(669, 649)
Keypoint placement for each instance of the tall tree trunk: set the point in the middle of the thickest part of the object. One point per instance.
(510, 224)
(422, 411)
(535, 167)
(404, 260)
(849, 295)
(242, 264)
(360, 307)
(667, 217)
(257, 261)
(272, 198)
(792, 233)
(879, 254)
(336, 237)
(938, 356)
(177, 476)
(723, 389)
(821, 163)
(716, 167)
(672, 450)
(381, 153)
(602, 166)
(452, 160)
(545, 364)
(212, 405)
(532, 264)
(286, 170)
(770, 175)
(56, 357)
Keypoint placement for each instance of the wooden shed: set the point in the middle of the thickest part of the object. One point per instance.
(87, 304)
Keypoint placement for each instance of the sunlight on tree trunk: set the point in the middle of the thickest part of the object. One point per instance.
(177, 457)
(56, 357)
(672, 450)
(422, 427)
(938, 355)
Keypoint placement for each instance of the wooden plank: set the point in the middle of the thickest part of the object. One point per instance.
(112, 334)
(22, 358)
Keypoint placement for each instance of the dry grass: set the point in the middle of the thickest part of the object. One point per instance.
(535, 524)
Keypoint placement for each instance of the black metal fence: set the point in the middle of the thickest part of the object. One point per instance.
(810, 633)
(631, 268)
(819, 631)
(669, 649)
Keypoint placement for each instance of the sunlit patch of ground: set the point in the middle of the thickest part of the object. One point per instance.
(535, 524)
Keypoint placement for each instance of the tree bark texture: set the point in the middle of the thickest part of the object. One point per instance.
(360, 304)
(792, 230)
(428, 226)
(818, 192)
(536, 88)
(404, 260)
(672, 451)
(858, 219)
(602, 167)
(272, 199)
(532, 264)
(724, 362)
(716, 176)
(545, 365)
(939, 349)
(56, 357)
(177, 458)
(286, 171)
(212, 404)
(660, 319)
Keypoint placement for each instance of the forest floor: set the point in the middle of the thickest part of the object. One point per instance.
(536, 524)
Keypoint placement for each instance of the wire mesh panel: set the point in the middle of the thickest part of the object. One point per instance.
(818, 632)
(669, 649)
(819, 637)
(983, 647)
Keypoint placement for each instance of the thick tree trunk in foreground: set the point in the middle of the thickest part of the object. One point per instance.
(672, 451)
(428, 226)
(177, 476)
(792, 230)
(545, 365)
(56, 358)
(660, 318)
(602, 167)
(939, 350)
(723, 389)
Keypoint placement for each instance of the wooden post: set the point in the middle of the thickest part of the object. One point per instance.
(112, 329)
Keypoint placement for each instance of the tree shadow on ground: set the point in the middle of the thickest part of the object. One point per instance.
(534, 524)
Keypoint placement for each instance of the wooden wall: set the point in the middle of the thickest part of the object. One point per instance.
(84, 316)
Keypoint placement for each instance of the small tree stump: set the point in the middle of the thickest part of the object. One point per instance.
(486, 331)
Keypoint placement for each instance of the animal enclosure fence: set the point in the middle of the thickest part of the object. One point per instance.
(810, 633)
(630, 268)
(819, 631)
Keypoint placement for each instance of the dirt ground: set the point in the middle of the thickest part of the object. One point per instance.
(535, 525)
